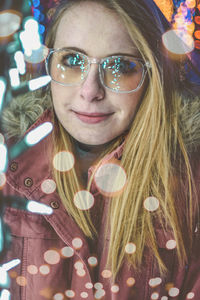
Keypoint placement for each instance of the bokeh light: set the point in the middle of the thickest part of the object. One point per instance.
(153, 282)
(38, 133)
(2, 139)
(151, 204)
(84, 295)
(32, 269)
(171, 244)
(2, 180)
(98, 286)
(197, 34)
(67, 252)
(44, 269)
(77, 243)
(178, 42)
(89, 285)
(58, 296)
(3, 155)
(83, 200)
(63, 161)
(130, 248)
(48, 186)
(21, 280)
(10, 21)
(70, 293)
(78, 265)
(99, 294)
(190, 295)
(2, 94)
(5, 295)
(106, 273)
(52, 257)
(110, 179)
(115, 289)
(39, 208)
(81, 272)
(173, 292)
(130, 281)
(154, 296)
(92, 261)
(164, 298)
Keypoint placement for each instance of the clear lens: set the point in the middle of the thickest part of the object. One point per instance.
(122, 73)
(67, 67)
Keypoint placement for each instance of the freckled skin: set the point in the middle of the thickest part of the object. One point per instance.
(99, 33)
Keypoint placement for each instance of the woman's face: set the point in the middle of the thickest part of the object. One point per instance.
(89, 112)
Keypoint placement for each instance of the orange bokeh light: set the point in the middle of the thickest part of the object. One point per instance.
(197, 34)
(197, 19)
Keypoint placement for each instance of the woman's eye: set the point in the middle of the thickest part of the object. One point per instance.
(126, 67)
(71, 60)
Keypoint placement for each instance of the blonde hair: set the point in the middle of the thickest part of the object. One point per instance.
(154, 157)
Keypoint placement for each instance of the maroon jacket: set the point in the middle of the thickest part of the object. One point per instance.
(57, 260)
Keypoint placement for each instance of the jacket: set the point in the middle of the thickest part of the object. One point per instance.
(58, 261)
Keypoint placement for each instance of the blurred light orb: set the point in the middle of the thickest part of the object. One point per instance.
(154, 296)
(58, 296)
(130, 248)
(153, 282)
(77, 243)
(81, 272)
(171, 244)
(173, 292)
(151, 204)
(115, 289)
(130, 281)
(178, 41)
(2, 180)
(106, 273)
(9, 22)
(32, 269)
(78, 265)
(21, 280)
(110, 178)
(35, 56)
(98, 286)
(70, 293)
(92, 261)
(52, 257)
(44, 269)
(84, 295)
(67, 252)
(38, 133)
(5, 295)
(4, 278)
(89, 285)
(63, 161)
(48, 186)
(164, 298)
(100, 293)
(2, 139)
(190, 295)
(83, 200)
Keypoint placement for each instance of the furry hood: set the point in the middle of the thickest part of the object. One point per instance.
(24, 110)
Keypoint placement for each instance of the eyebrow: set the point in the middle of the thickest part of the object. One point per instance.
(112, 54)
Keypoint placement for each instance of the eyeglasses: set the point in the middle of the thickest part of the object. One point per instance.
(121, 73)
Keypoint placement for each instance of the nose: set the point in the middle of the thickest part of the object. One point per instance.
(92, 89)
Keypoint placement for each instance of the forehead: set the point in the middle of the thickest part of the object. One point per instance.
(95, 29)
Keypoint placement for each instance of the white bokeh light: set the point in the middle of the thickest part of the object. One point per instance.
(151, 204)
(63, 161)
(83, 200)
(110, 178)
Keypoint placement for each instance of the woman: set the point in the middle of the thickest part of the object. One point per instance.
(121, 168)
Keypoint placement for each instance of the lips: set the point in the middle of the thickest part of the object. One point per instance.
(92, 118)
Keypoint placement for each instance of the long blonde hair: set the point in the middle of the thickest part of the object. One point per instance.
(154, 155)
